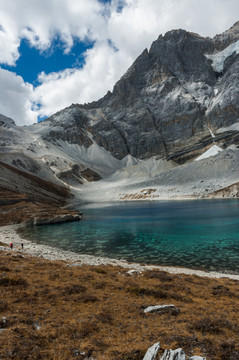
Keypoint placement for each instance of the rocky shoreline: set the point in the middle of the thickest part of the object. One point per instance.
(9, 234)
(55, 219)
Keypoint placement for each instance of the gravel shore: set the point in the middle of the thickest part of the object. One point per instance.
(9, 234)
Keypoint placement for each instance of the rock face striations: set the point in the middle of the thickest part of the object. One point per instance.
(177, 100)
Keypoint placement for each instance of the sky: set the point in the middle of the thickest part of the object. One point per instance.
(57, 52)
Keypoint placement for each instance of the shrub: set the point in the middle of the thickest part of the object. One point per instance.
(74, 289)
(229, 351)
(86, 298)
(156, 293)
(12, 281)
(128, 355)
(160, 275)
(4, 268)
(3, 306)
(99, 270)
(105, 317)
(99, 285)
(221, 290)
(211, 326)
(87, 328)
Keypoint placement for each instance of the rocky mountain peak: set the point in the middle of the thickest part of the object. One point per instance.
(228, 37)
(6, 121)
(163, 105)
(182, 53)
(176, 101)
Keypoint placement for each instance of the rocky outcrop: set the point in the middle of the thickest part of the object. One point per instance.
(178, 354)
(168, 354)
(55, 219)
(152, 352)
(231, 191)
(78, 174)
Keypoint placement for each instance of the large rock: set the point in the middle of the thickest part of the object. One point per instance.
(168, 354)
(177, 354)
(152, 352)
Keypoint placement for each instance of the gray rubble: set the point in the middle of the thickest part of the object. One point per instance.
(168, 354)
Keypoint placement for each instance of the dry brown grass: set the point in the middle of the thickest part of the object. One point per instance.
(55, 311)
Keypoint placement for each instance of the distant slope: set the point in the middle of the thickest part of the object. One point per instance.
(36, 188)
(24, 197)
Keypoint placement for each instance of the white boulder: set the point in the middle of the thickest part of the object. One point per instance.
(152, 352)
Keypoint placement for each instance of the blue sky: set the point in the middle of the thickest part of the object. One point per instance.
(55, 53)
(33, 61)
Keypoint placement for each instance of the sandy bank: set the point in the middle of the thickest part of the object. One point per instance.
(9, 234)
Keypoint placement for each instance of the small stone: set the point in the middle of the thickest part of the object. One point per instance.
(133, 272)
(37, 326)
(158, 308)
(3, 323)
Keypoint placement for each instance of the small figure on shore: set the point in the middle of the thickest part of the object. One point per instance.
(22, 245)
(11, 245)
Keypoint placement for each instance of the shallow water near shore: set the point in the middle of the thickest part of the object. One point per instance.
(200, 234)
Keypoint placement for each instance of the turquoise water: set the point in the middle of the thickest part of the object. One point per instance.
(201, 234)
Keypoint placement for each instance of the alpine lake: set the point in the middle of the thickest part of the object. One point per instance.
(197, 234)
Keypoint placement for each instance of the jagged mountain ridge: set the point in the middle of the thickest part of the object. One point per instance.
(167, 98)
(172, 104)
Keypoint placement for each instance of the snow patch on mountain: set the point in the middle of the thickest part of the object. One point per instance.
(214, 150)
(219, 58)
(233, 127)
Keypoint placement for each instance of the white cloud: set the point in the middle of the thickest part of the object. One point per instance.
(41, 21)
(58, 90)
(130, 30)
(16, 98)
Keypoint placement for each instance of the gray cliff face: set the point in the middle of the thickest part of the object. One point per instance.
(229, 36)
(225, 112)
(164, 104)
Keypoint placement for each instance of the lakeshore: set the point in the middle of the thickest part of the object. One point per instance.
(93, 308)
(9, 234)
